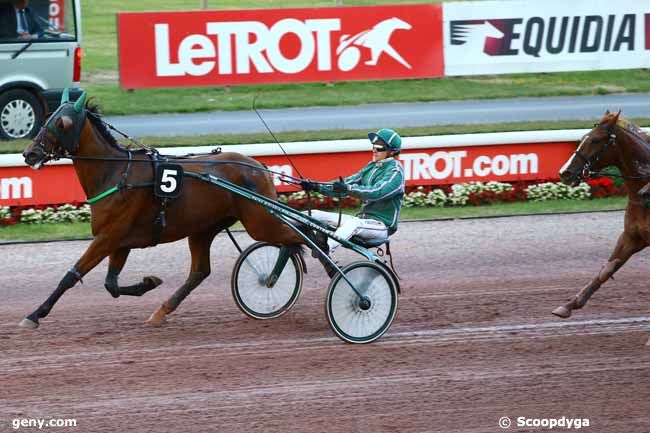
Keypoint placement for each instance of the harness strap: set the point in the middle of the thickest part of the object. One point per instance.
(391, 260)
(160, 222)
(104, 194)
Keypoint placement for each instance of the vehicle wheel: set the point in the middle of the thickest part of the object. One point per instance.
(21, 114)
(249, 282)
(351, 319)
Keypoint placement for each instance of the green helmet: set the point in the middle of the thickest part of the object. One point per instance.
(388, 136)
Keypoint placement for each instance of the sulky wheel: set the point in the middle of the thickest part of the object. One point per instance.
(361, 320)
(266, 280)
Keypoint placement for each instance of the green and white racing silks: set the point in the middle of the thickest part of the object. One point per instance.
(380, 186)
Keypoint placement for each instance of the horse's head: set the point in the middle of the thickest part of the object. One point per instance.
(398, 24)
(594, 152)
(59, 137)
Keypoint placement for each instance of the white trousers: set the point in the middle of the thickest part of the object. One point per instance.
(350, 226)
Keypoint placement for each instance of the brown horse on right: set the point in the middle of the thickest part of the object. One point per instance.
(614, 142)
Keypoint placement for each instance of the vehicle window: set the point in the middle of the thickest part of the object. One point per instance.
(37, 21)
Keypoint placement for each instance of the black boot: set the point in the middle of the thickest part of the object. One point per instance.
(329, 268)
(320, 240)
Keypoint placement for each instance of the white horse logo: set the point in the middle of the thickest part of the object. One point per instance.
(473, 34)
(377, 39)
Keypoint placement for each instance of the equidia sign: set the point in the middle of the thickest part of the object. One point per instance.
(532, 36)
(279, 45)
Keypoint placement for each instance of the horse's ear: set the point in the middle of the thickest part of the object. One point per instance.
(65, 97)
(80, 102)
(606, 112)
(617, 116)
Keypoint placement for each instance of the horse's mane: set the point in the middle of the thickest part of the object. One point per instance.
(633, 129)
(95, 118)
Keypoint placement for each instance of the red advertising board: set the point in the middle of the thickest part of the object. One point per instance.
(427, 166)
(212, 48)
(20, 186)
(440, 166)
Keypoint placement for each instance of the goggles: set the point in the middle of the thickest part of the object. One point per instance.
(379, 145)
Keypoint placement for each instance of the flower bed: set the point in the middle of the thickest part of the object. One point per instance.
(66, 213)
(465, 194)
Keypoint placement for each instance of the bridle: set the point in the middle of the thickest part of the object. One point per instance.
(65, 143)
(43, 142)
(591, 161)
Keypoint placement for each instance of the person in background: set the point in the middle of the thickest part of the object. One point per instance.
(379, 185)
(18, 22)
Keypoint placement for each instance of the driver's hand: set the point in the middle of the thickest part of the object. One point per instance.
(340, 187)
(308, 185)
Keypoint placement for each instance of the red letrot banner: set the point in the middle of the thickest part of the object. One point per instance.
(208, 48)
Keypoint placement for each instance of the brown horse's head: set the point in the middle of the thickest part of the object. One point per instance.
(594, 152)
(59, 137)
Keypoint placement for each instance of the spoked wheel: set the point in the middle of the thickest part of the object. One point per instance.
(260, 292)
(361, 319)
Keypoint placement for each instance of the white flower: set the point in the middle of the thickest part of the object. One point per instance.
(557, 191)
(64, 214)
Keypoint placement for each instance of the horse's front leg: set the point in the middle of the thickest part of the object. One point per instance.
(200, 269)
(116, 262)
(626, 246)
(96, 252)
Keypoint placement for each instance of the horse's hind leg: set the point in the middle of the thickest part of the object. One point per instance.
(95, 253)
(626, 246)
(200, 269)
(116, 262)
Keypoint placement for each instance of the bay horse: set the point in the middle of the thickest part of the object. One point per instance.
(124, 220)
(617, 142)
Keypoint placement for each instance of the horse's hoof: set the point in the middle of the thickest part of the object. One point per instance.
(27, 323)
(562, 312)
(152, 281)
(157, 319)
(155, 323)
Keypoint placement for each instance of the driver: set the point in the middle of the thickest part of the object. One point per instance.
(379, 185)
(18, 22)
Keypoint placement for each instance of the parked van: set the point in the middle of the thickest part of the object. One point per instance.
(40, 55)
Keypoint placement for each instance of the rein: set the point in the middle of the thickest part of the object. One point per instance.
(182, 160)
(154, 155)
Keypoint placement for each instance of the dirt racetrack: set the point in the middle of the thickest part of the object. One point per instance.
(473, 341)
